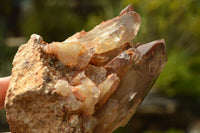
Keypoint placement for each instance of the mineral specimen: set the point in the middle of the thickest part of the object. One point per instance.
(92, 82)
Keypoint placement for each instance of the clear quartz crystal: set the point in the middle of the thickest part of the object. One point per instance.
(96, 74)
(114, 33)
(73, 103)
(88, 89)
(62, 87)
(84, 58)
(107, 87)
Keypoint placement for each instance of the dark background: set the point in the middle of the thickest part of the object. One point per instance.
(173, 105)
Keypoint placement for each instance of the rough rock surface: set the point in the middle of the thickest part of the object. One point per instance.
(92, 82)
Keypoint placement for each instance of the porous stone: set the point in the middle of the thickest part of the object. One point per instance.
(92, 82)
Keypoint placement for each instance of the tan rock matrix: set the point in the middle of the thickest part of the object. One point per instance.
(92, 82)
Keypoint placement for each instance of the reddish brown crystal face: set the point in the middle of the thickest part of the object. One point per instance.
(105, 76)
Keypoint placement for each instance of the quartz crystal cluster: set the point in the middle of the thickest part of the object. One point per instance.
(92, 82)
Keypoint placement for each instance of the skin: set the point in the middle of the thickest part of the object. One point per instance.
(4, 83)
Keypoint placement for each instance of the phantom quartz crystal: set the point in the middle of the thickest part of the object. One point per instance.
(92, 82)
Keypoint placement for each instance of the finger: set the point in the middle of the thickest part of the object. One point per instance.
(4, 83)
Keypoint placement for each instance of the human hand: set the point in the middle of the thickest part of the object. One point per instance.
(4, 83)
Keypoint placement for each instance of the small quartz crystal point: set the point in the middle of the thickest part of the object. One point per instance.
(92, 82)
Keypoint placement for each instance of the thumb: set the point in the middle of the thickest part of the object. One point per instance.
(4, 83)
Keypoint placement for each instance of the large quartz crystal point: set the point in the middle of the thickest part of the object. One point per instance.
(142, 67)
(106, 39)
(92, 82)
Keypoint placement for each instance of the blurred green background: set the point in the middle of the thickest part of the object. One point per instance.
(173, 105)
